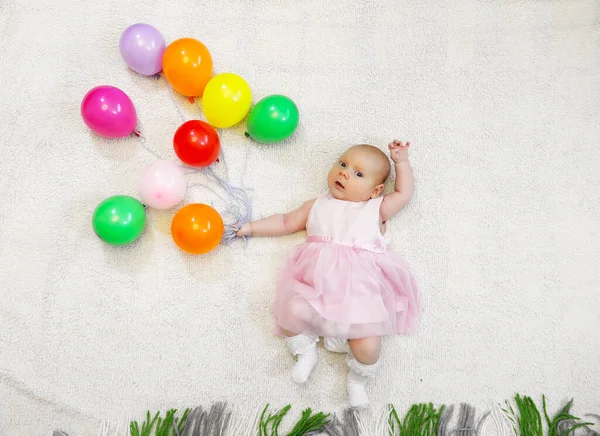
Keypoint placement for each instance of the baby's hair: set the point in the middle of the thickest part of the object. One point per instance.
(384, 162)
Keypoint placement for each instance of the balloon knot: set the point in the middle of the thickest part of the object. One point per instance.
(218, 161)
(137, 133)
(246, 134)
(192, 100)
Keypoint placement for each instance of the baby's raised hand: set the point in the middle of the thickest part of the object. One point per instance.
(398, 151)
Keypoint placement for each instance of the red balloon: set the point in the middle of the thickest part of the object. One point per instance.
(197, 143)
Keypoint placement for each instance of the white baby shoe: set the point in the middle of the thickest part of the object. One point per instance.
(337, 345)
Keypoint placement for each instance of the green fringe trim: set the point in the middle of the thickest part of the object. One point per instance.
(164, 427)
(528, 422)
(563, 419)
(309, 423)
(269, 426)
(420, 420)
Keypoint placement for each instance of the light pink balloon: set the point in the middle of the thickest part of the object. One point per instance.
(162, 184)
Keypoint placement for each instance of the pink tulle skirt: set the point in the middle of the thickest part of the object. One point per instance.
(335, 290)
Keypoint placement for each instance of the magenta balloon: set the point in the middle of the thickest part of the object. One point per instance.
(109, 112)
(142, 48)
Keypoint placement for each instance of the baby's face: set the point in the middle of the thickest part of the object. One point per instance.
(356, 176)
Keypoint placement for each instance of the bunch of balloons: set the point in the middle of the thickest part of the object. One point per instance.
(187, 66)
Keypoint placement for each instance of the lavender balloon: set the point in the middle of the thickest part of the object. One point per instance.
(142, 48)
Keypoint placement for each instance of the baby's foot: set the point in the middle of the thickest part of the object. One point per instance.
(304, 366)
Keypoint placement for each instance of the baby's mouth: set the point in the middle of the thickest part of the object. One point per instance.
(339, 186)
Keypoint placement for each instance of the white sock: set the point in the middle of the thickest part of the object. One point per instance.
(358, 376)
(304, 347)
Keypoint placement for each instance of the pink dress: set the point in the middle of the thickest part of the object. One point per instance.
(343, 281)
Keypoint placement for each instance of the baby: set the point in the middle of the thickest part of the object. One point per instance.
(343, 283)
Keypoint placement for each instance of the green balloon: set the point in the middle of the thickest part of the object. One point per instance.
(119, 220)
(273, 119)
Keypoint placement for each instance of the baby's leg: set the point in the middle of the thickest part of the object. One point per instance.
(366, 350)
(301, 345)
(298, 314)
(364, 363)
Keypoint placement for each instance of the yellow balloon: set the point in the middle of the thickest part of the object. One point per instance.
(227, 99)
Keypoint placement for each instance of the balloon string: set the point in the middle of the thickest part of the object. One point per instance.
(143, 142)
(181, 115)
(198, 105)
(208, 188)
(245, 166)
(239, 194)
(240, 206)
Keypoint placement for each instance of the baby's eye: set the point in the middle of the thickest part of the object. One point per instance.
(359, 174)
(343, 164)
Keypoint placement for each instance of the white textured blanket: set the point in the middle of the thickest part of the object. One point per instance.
(500, 102)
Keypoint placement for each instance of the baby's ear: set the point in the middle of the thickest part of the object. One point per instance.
(378, 189)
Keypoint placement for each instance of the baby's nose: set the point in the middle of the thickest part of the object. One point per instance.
(344, 173)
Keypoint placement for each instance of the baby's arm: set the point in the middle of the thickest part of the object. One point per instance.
(277, 225)
(395, 201)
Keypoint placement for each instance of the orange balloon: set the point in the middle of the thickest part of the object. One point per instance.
(197, 228)
(187, 66)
